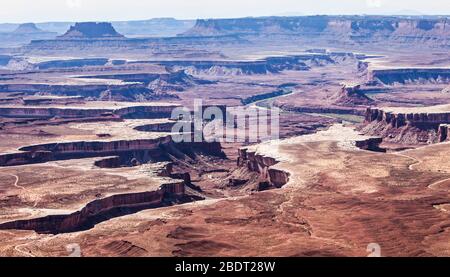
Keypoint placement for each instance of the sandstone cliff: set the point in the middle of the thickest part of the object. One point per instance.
(407, 127)
(94, 211)
(274, 178)
(163, 111)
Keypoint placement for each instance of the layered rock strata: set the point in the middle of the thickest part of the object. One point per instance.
(337, 29)
(407, 127)
(163, 111)
(92, 212)
(410, 76)
(273, 178)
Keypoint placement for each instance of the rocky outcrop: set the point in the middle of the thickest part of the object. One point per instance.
(157, 127)
(254, 162)
(370, 144)
(91, 30)
(444, 133)
(402, 119)
(351, 95)
(406, 128)
(410, 76)
(112, 162)
(101, 209)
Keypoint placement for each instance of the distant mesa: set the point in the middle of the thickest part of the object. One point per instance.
(363, 29)
(28, 28)
(91, 30)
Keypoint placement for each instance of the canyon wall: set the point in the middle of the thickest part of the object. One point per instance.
(338, 29)
(81, 149)
(72, 63)
(254, 162)
(129, 152)
(126, 92)
(402, 119)
(407, 128)
(133, 112)
(332, 110)
(410, 76)
(135, 87)
(270, 65)
(93, 212)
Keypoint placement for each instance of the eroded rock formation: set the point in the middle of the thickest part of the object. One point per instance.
(444, 133)
(273, 178)
(101, 208)
(351, 95)
(407, 128)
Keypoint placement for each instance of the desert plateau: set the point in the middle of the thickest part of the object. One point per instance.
(89, 154)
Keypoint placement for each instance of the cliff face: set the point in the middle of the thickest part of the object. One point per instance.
(83, 149)
(334, 110)
(128, 112)
(444, 132)
(73, 63)
(274, 178)
(407, 128)
(98, 209)
(270, 65)
(411, 75)
(157, 127)
(402, 119)
(128, 152)
(126, 92)
(364, 29)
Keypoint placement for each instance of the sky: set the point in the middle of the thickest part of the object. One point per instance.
(20, 11)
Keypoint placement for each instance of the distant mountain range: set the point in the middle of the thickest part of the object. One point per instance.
(139, 28)
(320, 29)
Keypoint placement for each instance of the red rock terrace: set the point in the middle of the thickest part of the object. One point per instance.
(409, 125)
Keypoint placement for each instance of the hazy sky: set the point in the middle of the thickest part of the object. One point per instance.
(106, 10)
